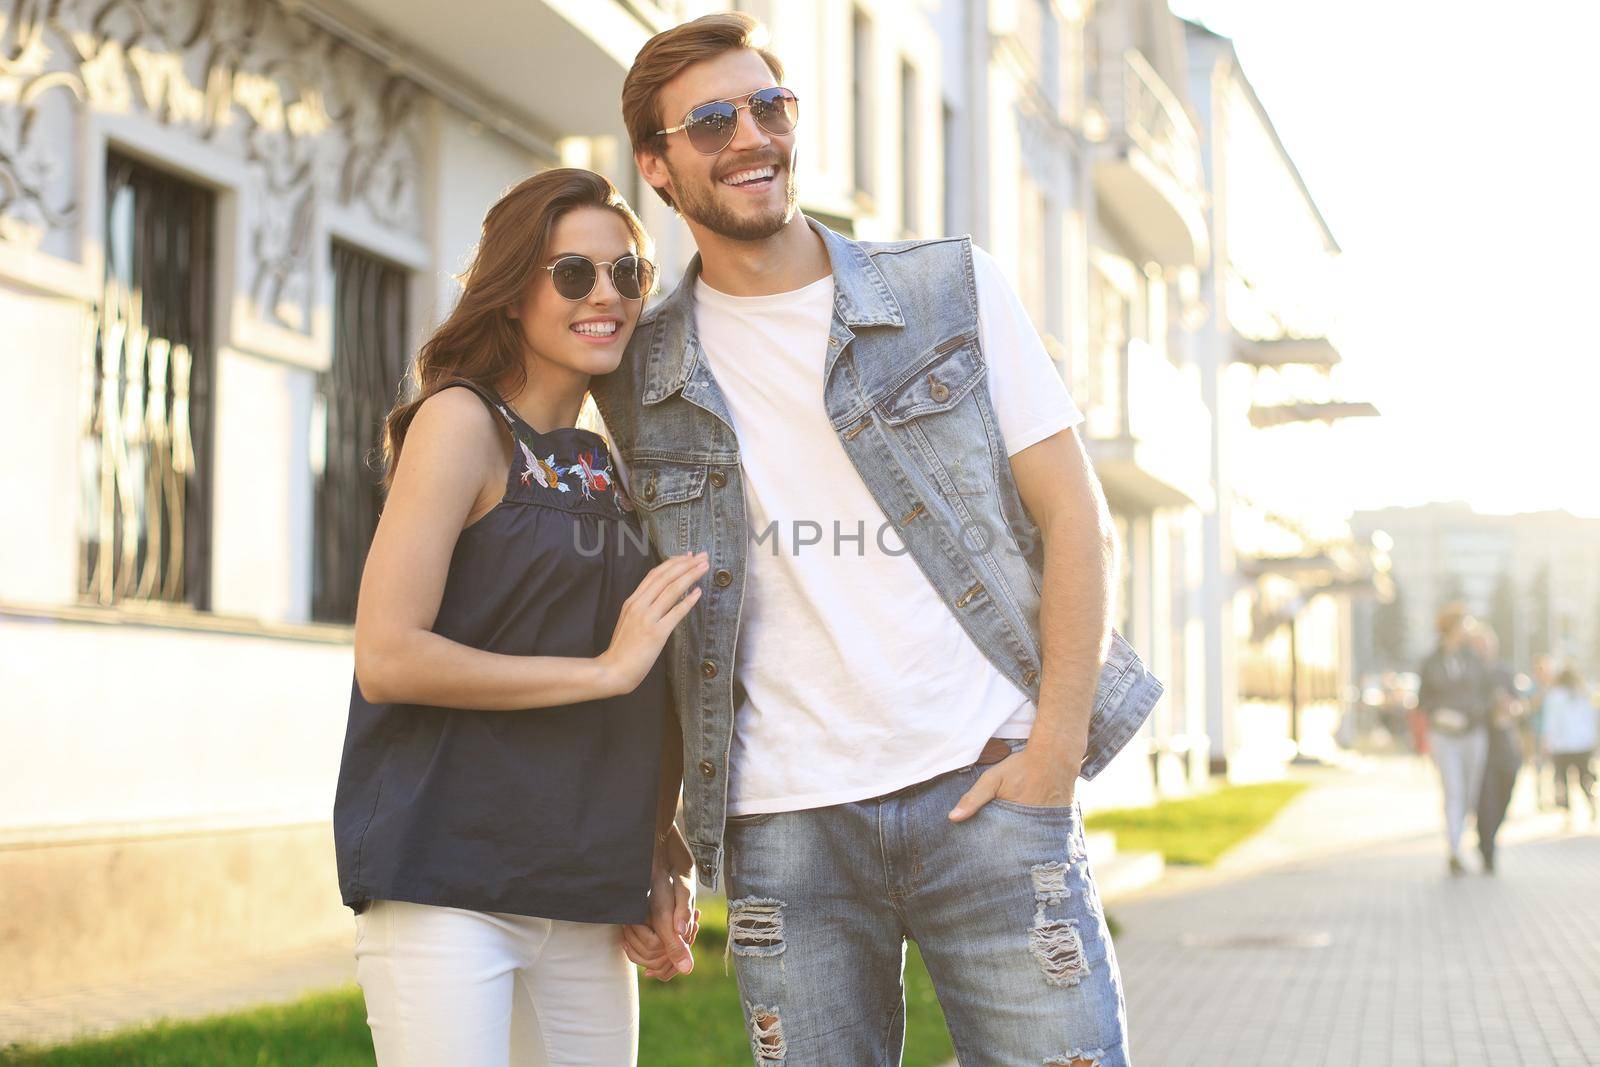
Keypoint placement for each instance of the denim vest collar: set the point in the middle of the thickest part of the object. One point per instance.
(861, 298)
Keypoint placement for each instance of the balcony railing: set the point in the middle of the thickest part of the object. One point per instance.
(1156, 121)
(1153, 175)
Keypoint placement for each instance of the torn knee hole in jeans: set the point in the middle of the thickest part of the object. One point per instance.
(1049, 883)
(1055, 943)
(766, 1036)
(1076, 1058)
(755, 926)
(1058, 948)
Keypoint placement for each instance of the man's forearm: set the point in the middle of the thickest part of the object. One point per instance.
(671, 783)
(1074, 627)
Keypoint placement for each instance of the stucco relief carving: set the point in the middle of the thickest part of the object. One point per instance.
(315, 121)
(37, 195)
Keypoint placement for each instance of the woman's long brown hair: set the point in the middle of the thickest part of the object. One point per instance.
(479, 341)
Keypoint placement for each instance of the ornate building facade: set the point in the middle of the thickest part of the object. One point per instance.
(225, 225)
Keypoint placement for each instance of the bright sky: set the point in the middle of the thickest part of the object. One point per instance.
(1451, 147)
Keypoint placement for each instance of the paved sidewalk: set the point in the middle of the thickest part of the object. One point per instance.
(1332, 937)
(1336, 937)
(189, 994)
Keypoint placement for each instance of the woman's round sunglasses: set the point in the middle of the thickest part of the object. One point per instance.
(575, 276)
(711, 126)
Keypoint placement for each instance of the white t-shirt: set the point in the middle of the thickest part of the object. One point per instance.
(857, 679)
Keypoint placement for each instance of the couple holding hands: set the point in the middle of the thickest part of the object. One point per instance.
(837, 578)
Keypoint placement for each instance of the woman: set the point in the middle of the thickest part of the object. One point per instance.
(1453, 692)
(1569, 737)
(510, 771)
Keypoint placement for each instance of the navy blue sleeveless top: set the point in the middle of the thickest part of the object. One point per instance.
(548, 811)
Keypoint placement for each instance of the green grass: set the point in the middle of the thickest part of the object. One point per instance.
(325, 1030)
(1195, 831)
(692, 1021)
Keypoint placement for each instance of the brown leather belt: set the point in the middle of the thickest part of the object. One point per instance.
(994, 750)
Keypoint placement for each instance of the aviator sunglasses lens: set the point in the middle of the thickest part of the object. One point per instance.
(775, 109)
(573, 277)
(711, 126)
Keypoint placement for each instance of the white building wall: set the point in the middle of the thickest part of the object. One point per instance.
(166, 724)
(129, 730)
(152, 757)
(1271, 272)
(39, 446)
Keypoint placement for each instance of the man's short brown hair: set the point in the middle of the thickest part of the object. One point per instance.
(668, 54)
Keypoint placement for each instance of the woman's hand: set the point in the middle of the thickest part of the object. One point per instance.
(662, 945)
(648, 617)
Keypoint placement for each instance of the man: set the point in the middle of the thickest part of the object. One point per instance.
(1504, 757)
(1453, 695)
(902, 659)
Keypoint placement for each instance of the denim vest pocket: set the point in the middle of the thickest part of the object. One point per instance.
(657, 484)
(941, 378)
(665, 492)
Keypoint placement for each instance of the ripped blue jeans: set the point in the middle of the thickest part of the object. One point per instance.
(1002, 907)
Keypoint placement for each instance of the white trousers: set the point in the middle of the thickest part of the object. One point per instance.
(447, 987)
(1461, 762)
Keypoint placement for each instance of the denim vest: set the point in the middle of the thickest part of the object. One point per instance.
(905, 389)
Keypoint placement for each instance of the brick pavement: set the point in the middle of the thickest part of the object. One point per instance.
(1371, 954)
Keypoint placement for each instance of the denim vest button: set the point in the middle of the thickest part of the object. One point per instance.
(719, 479)
(708, 669)
(939, 391)
(707, 769)
(649, 491)
(723, 578)
(1028, 679)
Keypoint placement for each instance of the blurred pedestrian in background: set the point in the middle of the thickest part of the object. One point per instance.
(1504, 757)
(1544, 676)
(1570, 733)
(1453, 694)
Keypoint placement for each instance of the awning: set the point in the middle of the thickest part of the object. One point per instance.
(1263, 415)
(1283, 351)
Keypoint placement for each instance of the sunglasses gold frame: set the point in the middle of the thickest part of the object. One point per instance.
(737, 107)
(608, 264)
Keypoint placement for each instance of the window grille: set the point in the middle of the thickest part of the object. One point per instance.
(353, 397)
(148, 374)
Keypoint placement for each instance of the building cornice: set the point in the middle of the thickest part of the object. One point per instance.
(492, 112)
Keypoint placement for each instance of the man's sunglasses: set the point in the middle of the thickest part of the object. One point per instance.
(575, 276)
(711, 126)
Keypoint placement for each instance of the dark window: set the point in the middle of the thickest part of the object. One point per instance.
(148, 373)
(353, 397)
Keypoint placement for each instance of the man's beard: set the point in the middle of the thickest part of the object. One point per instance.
(699, 204)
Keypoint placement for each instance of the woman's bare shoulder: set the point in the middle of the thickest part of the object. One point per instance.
(454, 429)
